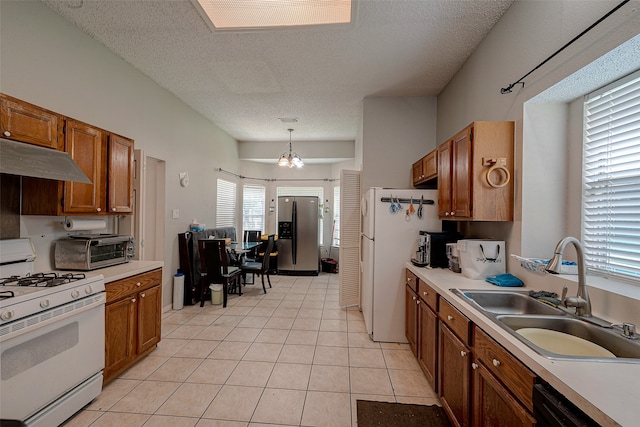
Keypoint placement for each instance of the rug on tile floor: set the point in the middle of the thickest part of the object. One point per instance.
(379, 414)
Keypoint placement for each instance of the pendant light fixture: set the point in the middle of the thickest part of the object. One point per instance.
(292, 159)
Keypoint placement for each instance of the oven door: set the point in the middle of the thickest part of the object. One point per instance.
(56, 351)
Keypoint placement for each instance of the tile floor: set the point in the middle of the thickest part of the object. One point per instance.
(291, 357)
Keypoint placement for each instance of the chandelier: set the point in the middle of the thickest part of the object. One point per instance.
(290, 160)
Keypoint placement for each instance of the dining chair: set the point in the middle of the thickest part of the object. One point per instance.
(260, 268)
(216, 269)
(252, 236)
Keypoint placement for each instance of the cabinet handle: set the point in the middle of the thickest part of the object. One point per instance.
(463, 353)
(425, 293)
(138, 284)
(496, 362)
(453, 213)
(142, 295)
(446, 214)
(450, 318)
(474, 366)
(133, 300)
(414, 298)
(418, 302)
(113, 209)
(7, 133)
(99, 210)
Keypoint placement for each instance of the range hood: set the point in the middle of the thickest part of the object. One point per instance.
(18, 158)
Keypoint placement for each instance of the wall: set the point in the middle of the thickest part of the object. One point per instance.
(48, 62)
(395, 133)
(545, 178)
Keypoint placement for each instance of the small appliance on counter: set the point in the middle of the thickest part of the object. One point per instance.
(84, 252)
(454, 257)
(432, 248)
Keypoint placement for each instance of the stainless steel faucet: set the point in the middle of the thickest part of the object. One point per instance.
(581, 301)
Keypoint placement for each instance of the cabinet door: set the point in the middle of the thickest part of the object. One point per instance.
(445, 155)
(120, 321)
(85, 144)
(462, 172)
(149, 309)
(454, 379)
(120, 173)
(493, 405)
(25, 122)
(416, 172)
(411, 319)
(430, 165)
(428, 343)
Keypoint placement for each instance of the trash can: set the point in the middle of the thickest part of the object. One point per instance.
(329, 265)
(178, 291)
(216, 294)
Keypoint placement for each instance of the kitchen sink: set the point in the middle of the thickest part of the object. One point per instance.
(555, 333)
(508, 302)
(609, 339)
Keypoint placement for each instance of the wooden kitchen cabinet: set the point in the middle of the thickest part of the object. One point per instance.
(454, 364)
(475, 168)
(502, 385)
(428, 333)
(132, 321)
(411, 311)
(425, 169)
(24, 122)
(120, 174)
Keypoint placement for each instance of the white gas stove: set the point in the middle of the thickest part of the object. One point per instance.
(51, 338)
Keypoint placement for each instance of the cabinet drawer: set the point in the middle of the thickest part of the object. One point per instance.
(456, 321)
(428, 295)
(129, 286)
(412, 281)
(513, 374)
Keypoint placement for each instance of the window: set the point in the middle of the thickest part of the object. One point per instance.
(306, 191)
(226, 204)
(253, 197)
(336, 216)
(611, 179)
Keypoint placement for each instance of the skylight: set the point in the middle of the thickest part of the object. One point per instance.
(255, 14)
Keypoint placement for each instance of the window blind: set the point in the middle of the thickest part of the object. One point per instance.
(611, 179)
(226, 204)
(305, 191)
(253, 207)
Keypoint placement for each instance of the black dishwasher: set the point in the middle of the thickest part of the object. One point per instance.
(551, 409)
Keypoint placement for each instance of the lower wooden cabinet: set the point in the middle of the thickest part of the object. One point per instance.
(428, 343)
(411, 319)
(132, 321)
(454, 366)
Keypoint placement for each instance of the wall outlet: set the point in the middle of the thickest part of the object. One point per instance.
(176, 213)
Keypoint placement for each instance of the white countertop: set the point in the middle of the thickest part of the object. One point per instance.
(609, 392)
(128, 269)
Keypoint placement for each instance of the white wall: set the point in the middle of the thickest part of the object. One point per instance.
(547, 167)
(395, 133)
(48, 62)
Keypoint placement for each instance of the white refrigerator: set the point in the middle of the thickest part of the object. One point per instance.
(389, 240)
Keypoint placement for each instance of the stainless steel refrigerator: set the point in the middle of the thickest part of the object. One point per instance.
(298, 251)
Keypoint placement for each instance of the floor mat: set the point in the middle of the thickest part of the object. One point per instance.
(400, 415)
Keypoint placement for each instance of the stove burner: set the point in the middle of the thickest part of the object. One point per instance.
(42, 279)
(6, 294)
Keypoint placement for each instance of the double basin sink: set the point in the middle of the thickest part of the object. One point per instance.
(550, 331)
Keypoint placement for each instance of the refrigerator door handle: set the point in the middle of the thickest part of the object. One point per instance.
(294, 232)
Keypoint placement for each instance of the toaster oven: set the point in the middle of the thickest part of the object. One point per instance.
(89, 252)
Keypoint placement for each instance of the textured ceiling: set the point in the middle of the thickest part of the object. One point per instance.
(245, 81)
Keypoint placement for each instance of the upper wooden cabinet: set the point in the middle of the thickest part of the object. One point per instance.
(425, 169)
(475, 168)
(120, 174)
(106, 159)
(29, 123)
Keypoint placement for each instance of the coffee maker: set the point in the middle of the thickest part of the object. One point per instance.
(432, 248)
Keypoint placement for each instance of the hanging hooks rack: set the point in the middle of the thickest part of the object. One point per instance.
(520, 81)
(401, 200)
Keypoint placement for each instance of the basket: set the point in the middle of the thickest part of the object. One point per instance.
(329, 265)
(538, 265)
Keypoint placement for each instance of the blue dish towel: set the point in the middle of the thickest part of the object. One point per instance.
(506, 280)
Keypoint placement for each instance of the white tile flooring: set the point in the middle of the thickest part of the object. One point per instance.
(291, 357)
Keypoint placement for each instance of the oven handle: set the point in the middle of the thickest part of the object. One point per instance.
(102, 298)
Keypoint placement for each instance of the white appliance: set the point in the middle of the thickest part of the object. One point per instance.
(51, 339)
(389, 240)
